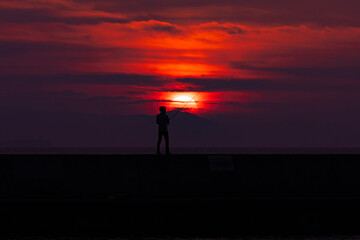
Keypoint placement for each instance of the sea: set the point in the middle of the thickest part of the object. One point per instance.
(296, 237)
(178, 150)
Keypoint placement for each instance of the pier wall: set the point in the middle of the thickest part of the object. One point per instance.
(195, 195)
(179, 176)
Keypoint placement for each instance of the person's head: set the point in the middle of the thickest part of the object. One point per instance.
(162, 109)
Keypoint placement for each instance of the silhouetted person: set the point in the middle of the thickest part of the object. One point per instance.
(163, 120)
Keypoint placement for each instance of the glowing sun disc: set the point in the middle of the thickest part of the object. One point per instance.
(184, 99)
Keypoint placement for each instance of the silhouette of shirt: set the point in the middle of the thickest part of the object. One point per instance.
(162, 120)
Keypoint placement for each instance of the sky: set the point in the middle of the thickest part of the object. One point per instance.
(268, 73)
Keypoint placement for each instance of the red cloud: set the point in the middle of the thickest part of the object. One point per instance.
(217, 52)
(205, 49)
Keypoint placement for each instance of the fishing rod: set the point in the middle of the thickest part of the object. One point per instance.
(184, 105)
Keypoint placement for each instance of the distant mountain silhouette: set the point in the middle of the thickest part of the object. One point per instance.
(190, 129)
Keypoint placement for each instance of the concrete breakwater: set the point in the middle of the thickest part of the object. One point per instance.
(180, 193)
(179, 176)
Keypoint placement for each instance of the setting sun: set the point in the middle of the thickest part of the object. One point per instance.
(184, 101)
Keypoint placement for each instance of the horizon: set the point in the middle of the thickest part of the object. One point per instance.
(220, 151)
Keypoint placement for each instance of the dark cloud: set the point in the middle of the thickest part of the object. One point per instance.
(46, 15)
(22, 57)
(347, 72)
(18, 57)
(133, 93)
(280, 12)
(102, 98)
(141, 101)
(107, 79)
(227, 29)
(214, 85)
(123, 100)
(9, 48)
(184, 89)
(288, 84)
(167, 28)
(115, 79)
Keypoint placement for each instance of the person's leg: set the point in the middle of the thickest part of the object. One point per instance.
(166, 135)
(159, 142)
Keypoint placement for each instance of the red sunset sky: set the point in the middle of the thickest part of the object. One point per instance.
(269, 63)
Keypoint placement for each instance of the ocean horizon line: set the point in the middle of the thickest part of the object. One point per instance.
(180, 150)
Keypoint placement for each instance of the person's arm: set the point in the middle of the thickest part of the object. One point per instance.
(167, 120)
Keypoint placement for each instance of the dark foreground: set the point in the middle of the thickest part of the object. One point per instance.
(179, 195)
